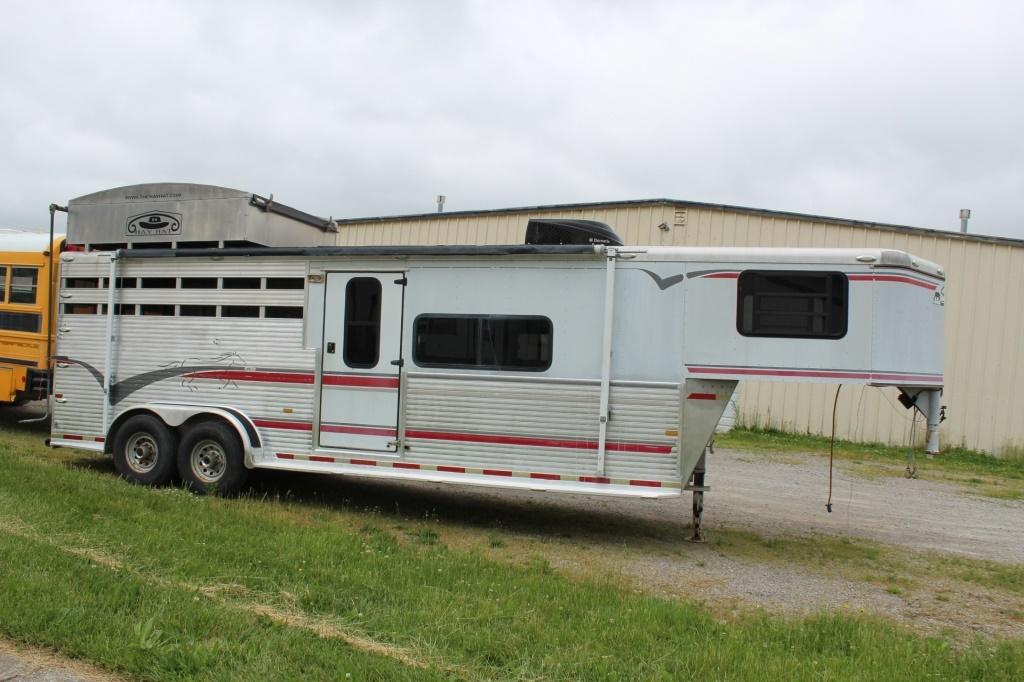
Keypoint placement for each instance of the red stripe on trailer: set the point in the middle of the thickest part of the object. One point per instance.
(68, 436)
(359, 430)
(895, 278)
(722, 275)
(702, 396)
(750, 371)
(818, 373)
(100, 439)
(487, 472)
(901, 375)
(362, 381)
(289, 426)
(498, 439)
(244, 375)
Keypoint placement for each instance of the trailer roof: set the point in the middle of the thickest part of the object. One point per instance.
(327, 251)
(724, 254)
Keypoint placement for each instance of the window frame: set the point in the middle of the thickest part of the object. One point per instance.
(35, 285)
(485, 368)
(348, 323)
(7, 314)
(775, 273)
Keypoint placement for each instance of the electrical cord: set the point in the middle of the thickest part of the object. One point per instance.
(832, 450)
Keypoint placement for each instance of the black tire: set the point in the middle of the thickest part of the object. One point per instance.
(145, 451)
(211, 460)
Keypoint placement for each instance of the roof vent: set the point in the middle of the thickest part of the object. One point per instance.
(564, 231)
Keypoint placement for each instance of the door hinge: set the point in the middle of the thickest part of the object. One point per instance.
(403, 281)
(398, 363)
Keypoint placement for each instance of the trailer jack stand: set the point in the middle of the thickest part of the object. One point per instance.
(698, 488)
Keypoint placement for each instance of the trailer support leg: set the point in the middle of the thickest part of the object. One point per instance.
(698, 499)
(933, 414)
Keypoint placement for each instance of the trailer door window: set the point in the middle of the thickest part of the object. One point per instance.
(23, 285)
(362, 322)
(792, 304)
(483, 342)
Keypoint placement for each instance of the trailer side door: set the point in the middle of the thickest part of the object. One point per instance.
(362, 354)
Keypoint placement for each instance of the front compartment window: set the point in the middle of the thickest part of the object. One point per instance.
(792, 304)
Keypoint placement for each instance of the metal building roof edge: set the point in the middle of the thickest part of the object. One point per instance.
(847, 222)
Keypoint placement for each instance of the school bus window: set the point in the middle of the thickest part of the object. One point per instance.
(3, 283)
(23, 285)
(20, 322)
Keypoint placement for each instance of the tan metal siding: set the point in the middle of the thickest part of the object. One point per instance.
(984, 320)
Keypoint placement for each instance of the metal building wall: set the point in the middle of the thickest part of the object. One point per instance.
(984, 321)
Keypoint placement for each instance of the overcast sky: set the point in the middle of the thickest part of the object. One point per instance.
(900, 112)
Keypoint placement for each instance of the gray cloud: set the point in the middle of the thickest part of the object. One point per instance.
(892, 111)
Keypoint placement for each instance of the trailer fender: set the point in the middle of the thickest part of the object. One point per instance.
(174, 415)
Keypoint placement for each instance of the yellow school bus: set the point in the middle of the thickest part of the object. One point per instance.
(26, 286)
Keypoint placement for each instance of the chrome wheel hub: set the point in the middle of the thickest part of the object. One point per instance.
(208, 460)
(141, 453)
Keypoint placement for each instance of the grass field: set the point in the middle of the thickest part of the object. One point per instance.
(161, 584)
(986, 475)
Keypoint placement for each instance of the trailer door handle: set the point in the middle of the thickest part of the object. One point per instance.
(330, 346)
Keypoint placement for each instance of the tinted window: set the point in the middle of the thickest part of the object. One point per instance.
(23, 285)
(483, 342)
(20, 322)
(239, 311)
(792, 304)
(284, 312)
(163, 310)
(198, 311)
(286, 283)
(362, 322)
(241, 282)
(3, 282)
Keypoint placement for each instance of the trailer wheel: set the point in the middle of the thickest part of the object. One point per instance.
(210, 459)
(144, 451)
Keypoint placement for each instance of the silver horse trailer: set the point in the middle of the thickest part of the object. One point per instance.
(582, 367)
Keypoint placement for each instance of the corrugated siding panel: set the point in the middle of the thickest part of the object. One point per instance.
(540, 410)
(984, 322)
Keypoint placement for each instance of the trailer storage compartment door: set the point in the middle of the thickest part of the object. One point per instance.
(361, 360)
